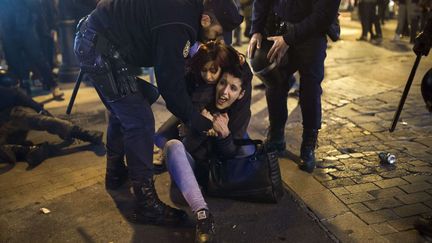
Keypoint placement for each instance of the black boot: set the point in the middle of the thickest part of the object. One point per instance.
(205, 227)
(151, 210)
(116, 171)
(114, 179)
(94, 137)
(275, 142)
(307, 150)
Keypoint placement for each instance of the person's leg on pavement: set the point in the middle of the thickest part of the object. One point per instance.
(116, 171)
(362, 16)
(14, 58)
(311, 71)
(33, 49)
(137, 122)
(368, 19)
(181, 166)
(377, 39)
(402, 15)
(32, 120)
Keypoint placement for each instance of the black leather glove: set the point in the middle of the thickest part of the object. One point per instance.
(422, 44)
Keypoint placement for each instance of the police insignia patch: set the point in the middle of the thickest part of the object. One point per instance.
(186, 49)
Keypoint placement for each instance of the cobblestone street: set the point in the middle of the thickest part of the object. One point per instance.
(350, 197)
(357, 197)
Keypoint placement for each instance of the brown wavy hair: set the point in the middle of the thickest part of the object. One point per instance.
(223, 56)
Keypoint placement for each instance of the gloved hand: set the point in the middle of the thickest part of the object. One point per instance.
(422, 44)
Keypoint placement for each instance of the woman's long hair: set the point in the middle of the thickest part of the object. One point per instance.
(221, 55)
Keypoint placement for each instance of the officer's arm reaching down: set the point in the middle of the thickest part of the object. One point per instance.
(170, 47)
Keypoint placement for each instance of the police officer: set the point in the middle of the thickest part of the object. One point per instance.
(303, 40)
(155, 33)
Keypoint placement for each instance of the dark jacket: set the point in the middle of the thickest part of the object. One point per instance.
(309, 18)
(9, 98)
(156, 33)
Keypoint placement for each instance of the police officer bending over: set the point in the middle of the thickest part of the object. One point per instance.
(147, 33)
(301, 40)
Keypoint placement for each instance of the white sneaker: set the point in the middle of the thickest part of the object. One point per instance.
(57, 93)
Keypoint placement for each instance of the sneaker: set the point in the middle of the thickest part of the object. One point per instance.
(205, 227)
(57, 93)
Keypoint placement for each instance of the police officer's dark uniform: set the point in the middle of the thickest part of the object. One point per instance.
(305, 23)
(147, 33)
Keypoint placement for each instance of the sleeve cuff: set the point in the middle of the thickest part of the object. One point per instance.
(199, 123)
(289, 37)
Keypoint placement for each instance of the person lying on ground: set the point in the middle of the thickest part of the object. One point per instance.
(19, 114)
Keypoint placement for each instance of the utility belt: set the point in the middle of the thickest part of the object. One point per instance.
(101, 60)
(277, 26)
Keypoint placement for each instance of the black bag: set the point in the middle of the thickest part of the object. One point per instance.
(253, 178)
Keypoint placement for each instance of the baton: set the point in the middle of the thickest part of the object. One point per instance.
(74, 92)
(405, 93)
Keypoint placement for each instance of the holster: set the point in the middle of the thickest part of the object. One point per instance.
(103, 63)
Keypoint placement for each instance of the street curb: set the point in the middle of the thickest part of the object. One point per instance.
(340, 224)
(301, 203)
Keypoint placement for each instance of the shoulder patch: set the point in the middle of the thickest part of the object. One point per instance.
(186, 49)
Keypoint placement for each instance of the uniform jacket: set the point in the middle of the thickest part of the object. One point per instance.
(309, 18)
(155, 33)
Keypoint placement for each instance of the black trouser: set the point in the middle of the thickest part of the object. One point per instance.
(368, 17)
(131, 126)
(307, 58)
(23, 51)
